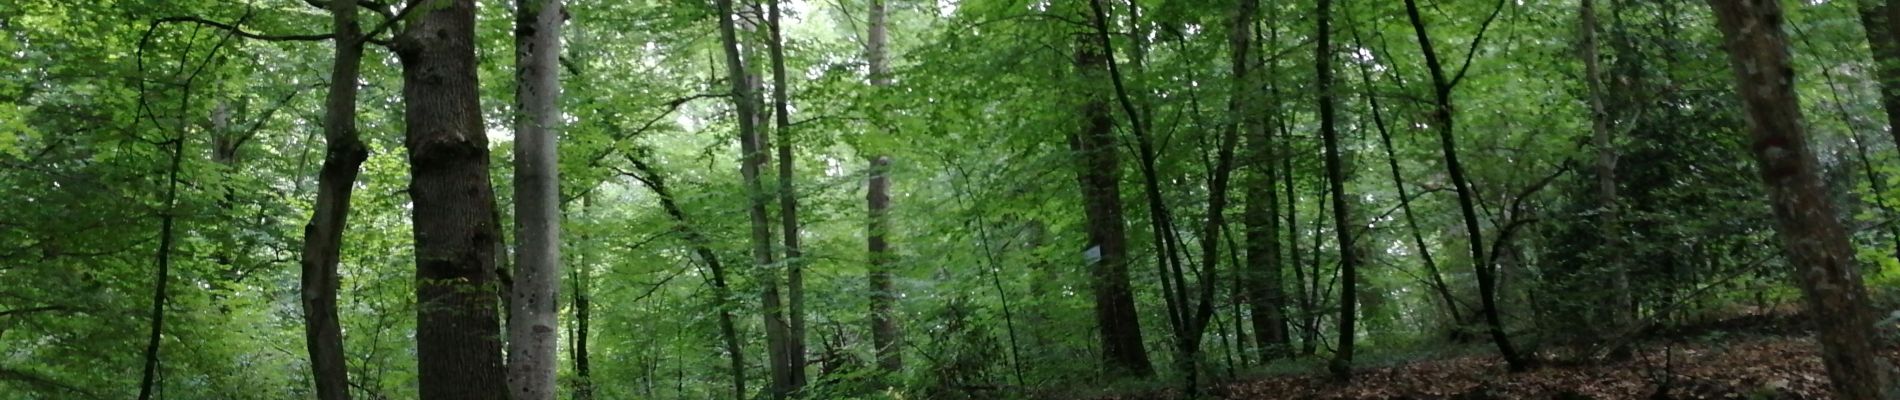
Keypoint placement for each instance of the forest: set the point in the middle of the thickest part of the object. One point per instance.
(949, 199)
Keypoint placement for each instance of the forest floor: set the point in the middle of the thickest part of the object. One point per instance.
(1756, 357)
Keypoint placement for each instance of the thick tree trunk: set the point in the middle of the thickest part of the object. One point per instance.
(884, 332)
(1341, 365)
(1816, 242)
(1098, 172)
(1265, 291)
(788, 205)
(1260, 217)
(1467, 196)
(1190, 318)
(458, 334)
(323, 236)
(534, 305)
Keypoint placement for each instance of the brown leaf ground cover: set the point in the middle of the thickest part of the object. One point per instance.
(1776, 361)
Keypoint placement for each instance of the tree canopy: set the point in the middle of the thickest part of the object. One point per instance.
(620, 199)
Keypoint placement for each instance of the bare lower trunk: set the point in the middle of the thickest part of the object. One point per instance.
(884, 333)
(788, 206)
(534, 295)
(752, 160)
(1341, 365)
(1608, 211)
(458, 334)
(1098, 173)
(1816, 243)
(323, 236)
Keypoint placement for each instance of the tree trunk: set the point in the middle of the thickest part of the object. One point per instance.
(1266, 295)
(1341, 365)
(534, 306)
(788, 204)
(1816, 243)
(1876, 19)
(1099, 175)
(167, 223)
(578, 280)
(752, 161)
(323, 236)
(1608, 217)
(1467, 196)
(884, 333)
(458, 335)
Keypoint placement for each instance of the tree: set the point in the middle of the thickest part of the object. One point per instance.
(458, 335)
(1099, 175)
(1601, 137)
(1883, 38)
(1265, 283)
(788, 204)
(884, 333)
(344, 153)
(1816, 243)
(1341, 365)
(534, 306)
(1443, 118)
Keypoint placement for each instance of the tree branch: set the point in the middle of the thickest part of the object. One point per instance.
(248, 35)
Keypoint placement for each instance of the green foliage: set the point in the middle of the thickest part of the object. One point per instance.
(988, 227)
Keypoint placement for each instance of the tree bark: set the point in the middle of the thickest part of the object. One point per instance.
(1608, 211)
(1883, 38)
(534, 306)
(1816, 243)
(1260, 217)
(884, 332)
(168, 221)
(1341, 365)
(344, 153)
(752, 161)
(1098, 173)
(1467, 196)
(578, 280)
(458, 335)
(788, 204)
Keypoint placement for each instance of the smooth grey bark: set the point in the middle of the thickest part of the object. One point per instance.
(458, 331)
(534, 305)
(1816, 243)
